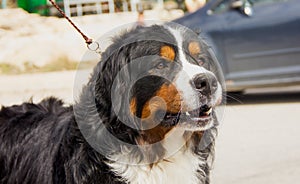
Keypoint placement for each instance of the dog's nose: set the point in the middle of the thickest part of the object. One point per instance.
(205, 83)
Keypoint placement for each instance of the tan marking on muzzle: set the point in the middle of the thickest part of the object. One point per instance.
(133, 106)
(168, 97)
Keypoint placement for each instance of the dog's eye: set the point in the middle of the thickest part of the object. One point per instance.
(200, 62)
(160, 65)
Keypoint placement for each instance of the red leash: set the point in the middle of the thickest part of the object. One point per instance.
(86, 38)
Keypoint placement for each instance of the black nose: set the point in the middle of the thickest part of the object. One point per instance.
(205, 83)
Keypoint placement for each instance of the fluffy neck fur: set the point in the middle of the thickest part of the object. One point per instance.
(178, 166)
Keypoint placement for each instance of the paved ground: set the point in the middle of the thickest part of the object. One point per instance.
(258, 140)
(259, 143)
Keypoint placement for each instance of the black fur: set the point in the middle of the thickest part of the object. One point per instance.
(40, 143)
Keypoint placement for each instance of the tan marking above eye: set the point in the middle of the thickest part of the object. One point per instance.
(194, 48)
(167, 52)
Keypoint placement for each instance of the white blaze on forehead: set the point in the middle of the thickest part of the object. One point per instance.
(186, 74)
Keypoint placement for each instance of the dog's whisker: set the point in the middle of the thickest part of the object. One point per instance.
(234, 98)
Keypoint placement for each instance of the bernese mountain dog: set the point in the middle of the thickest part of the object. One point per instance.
(146, 116)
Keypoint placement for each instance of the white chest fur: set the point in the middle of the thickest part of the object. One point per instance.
(180, 168)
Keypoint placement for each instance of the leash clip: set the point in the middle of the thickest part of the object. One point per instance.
(95, 47)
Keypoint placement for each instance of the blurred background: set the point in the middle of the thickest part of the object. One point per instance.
(257, 43)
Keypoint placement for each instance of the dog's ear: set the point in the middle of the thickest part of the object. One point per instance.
(120, 92)
(120, 78)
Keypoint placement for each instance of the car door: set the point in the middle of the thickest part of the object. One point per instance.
(263, 49)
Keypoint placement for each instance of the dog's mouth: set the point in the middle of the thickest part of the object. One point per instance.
(200, 116)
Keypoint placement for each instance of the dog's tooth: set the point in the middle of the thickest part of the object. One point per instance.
(209, 111)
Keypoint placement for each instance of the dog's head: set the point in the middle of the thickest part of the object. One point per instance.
(177, 87)
(152, 79)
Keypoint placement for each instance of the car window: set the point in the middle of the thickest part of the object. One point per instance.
(220, 7)
(264, 1)
(223, 6)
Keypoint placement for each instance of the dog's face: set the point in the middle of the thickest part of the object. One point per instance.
(172, 83)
